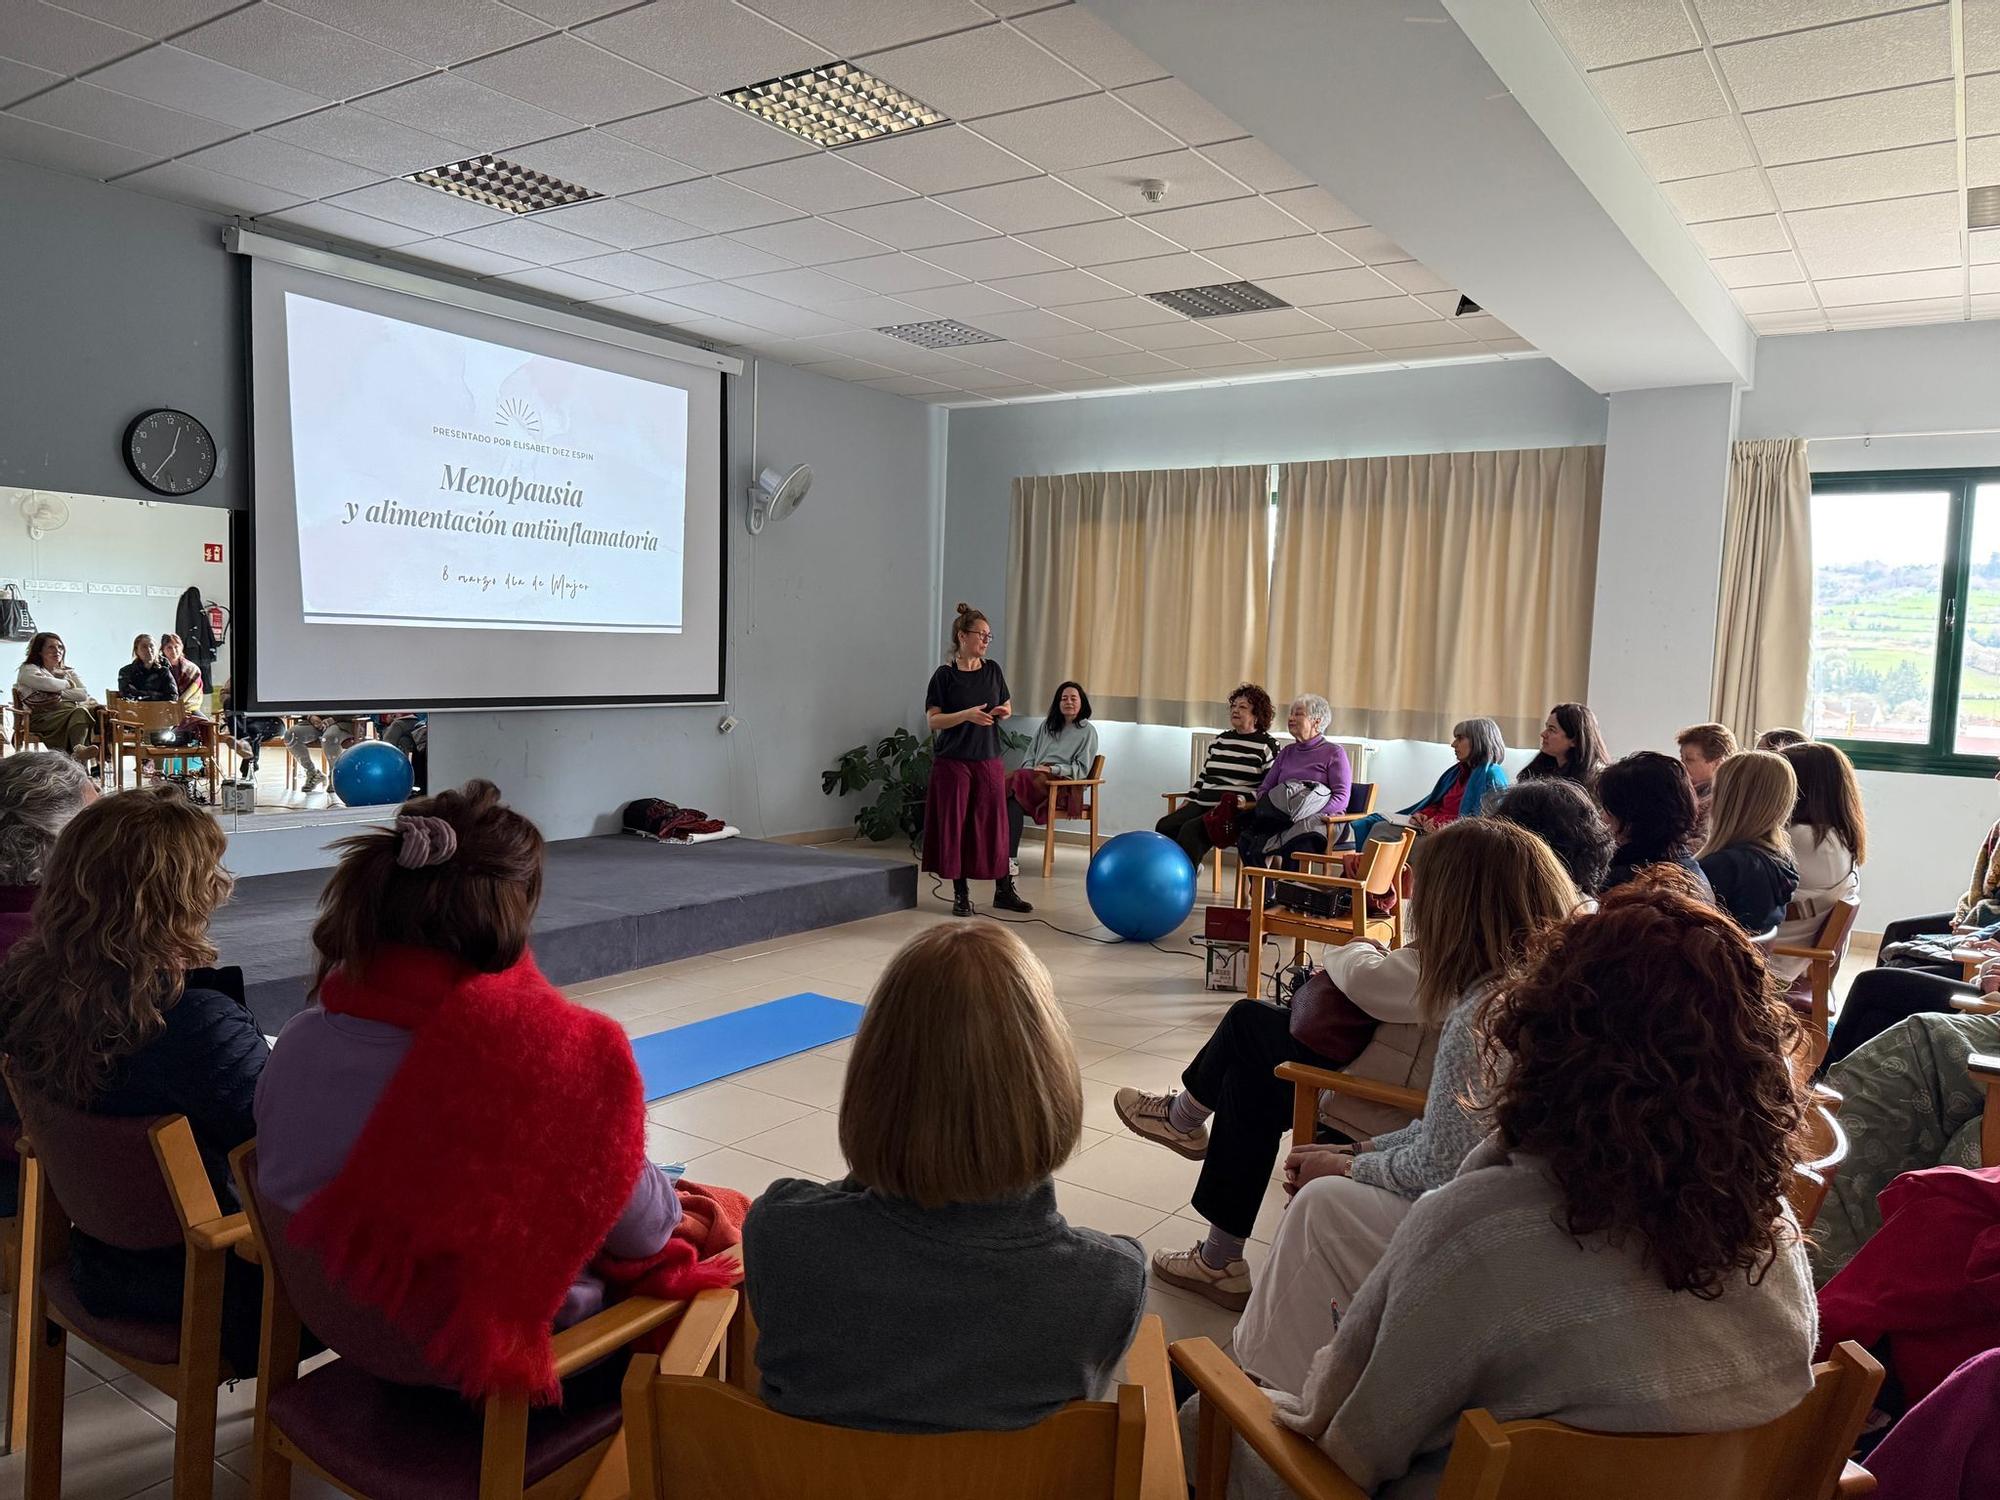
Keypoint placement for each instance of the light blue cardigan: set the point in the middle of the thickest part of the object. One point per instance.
(1482, 783)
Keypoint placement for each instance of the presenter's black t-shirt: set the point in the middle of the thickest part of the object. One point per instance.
(953, 691)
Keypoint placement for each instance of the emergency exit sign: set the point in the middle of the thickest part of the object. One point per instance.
(211, 552)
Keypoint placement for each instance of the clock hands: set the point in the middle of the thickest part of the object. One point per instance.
(170, 453)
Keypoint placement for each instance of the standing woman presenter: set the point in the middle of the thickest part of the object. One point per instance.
(965, 811)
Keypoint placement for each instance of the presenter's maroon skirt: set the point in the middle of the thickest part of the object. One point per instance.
(965, 820)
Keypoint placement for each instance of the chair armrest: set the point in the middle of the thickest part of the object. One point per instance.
(1245, 1408)
(220, 1234)
(1317, 857)
(1347, 817)
(1854, 1482)
(1975, 1005)
(1076, 781)
(1984, 1069)
(1163, 1474)
(1302, 877)
(1796, 950)
(1393, 1095)
(699, 1333)
(609, 1331)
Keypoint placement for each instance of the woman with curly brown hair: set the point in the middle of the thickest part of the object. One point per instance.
(1236, 762)
(1618, 1254)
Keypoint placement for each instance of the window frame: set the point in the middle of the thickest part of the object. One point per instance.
(1937, 757)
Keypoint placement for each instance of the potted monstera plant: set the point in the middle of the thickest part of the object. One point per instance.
(900, 766)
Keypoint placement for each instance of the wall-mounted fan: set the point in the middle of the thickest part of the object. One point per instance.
(44, 513)
(777, 493)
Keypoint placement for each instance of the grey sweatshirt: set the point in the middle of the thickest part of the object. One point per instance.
(1426, 1153)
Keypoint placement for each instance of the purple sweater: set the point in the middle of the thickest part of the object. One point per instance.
(1318, 760)
(320, 1086)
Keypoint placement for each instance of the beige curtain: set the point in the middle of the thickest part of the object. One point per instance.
(1415, 592)
(1763, 616)
(1149, 588)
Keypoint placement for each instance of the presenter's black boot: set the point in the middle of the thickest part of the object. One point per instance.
(961, 899)
(1006, 898)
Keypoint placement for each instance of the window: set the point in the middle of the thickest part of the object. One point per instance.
(1906, 619)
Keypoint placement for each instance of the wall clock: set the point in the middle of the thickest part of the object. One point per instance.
(169, 452)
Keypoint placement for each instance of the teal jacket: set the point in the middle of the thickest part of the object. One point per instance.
(1481, 784)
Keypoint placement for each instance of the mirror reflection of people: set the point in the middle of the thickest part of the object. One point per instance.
(411, 734)
(332, 736)
(61, 712)
(145, 679)
(247, 732)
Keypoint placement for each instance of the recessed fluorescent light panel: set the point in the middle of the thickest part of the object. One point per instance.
(1982, 207)
(1218, 301)
(835, 104)
(505, 185)
(941, 333)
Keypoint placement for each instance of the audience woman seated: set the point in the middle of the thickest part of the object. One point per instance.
(1748, 856)
(1307, 781)
(1978, 907)
(442, 1097)
(107, 1005)
(1649, 804)
(1829, 840)
(1064, 746)
(145, 679)
(1616, 1256)
(1482, 888)
(1703, 748)
(1562, 815)
(1571, 749)
(937, 1288)
(1781, 739)
(1230, 773)
(61, 711)
(1474, 775)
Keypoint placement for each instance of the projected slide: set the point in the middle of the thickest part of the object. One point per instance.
(448, 482)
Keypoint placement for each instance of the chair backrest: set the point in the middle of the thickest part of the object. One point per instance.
(1382, 861)
(694, 1437)
(103, 1170)
(352, 1329)
(1096, 773)
(1798, 1456)
(1825, 1149)
(134, 713)
(1361, 797)
(1838, 928)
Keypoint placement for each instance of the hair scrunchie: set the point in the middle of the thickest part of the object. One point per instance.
(424, 841)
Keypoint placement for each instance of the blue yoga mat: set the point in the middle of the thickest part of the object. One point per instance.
(686, 1057)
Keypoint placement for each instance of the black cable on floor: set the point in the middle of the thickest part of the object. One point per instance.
(937, 890)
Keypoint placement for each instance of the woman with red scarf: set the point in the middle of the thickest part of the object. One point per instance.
(447, 1126)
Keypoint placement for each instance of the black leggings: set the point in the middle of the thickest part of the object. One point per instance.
(1184, 826)
(1016, 816)
(1879, 998)
(1914, 927)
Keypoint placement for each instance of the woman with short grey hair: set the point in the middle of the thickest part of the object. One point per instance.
(1474, 775)
(1309, 779)
(39, 793)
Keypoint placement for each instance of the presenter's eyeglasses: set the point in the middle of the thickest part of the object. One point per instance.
(979, 635)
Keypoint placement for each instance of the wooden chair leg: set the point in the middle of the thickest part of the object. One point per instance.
(1093, 825)
(1215, 872)
(1253, 975)
(1049, 841)
(503, 1449)
(201, 1373)
(46, 1369)
(20, 1347)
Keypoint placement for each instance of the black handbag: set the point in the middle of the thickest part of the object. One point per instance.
(17, 621)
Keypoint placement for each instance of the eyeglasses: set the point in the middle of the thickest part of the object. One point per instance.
(979, 635)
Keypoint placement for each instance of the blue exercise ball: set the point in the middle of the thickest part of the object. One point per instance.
(1140, 885)
(371, 773)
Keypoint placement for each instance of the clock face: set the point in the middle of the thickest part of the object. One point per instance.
(169, 452)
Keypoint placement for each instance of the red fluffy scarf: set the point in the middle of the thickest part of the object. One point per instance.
(495, 1162)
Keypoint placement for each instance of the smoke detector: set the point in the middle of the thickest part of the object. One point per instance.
(1153, 190)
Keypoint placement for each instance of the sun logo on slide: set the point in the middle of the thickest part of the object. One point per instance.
(514, 412)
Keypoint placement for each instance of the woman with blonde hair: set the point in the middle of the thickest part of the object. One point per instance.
(965, 805)
(1748, 856)
(936, 1288)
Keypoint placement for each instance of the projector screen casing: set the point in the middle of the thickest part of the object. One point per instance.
(288, 665)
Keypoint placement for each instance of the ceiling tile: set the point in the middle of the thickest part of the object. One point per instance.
(709, 45)
(801, 288)
(721, 300)
(18, 81)
(461, 257)
(1178, 333)
(1738, 20)
(1022, 207)
(632, 273)
(1221, 356)
(1809, 320)
(1758, 234)
(1665, 91)
(1865, 122)
(353, 135)
(1900, 286)
(157, 19)
(644, 305)
(123, 121)
(711, 135)
(1415, 335)
(1095, 244)
(1182, 113)
(818, 184)
(1986, 305)
(416, 207)
(324, 220)
(209, 190)
(1985, 280)
(1239, 221)
(1905, 173)
(480, 119)
(1412, 277)
(1982, 161)
(1728, 195)
(895, 273)
(1858, 57)
(980, 72)
(718, 258)
(1759, 270)
(1163, 273)
(301, 53)
(850, 369)
(568, 12)
(443, 32)
(620, 223)
(714, 205)
(972, 379)
(1600, 34)
(1088, 45)
(1293, 256)
(937, 160)
(1277, 322)
(1190, 179)
(1380, 312)
(1699, 148)
(1310, 345)
(202, 86)
(1256, 165)
(913, 224)
(1862, 239)
(870, 312)
(539, 243)
(1897, 314)
(1982, 35)
(1318, 209)
(1369, 246)
(848, 28)
(263, 159)
(1985, 246)
(565, 284)
(1769, 299)
(1057, 288)
(986, 260)
(1136, 363)
(875, 348)
(909, 385)
(602, 162)
(1322, 287)
(968, 300)
(1030, 323)
(575, 79)
(1086, 344)
(1077, 133)
(810, 242)
(1028, 364)
(60, 41)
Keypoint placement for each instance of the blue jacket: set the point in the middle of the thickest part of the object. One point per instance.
(1481, 784)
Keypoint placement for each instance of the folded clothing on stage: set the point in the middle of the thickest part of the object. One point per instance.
(656, 818)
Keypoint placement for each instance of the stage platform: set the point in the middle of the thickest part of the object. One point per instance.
(609, 905)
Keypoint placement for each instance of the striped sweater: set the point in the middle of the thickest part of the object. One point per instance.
(1235, 763)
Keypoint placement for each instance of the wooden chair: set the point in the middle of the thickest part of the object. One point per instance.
(14, 1259)
(1174, 800)
(381, 1422)
(134, 1184)
(1984, 1069)
(1381, 871)
(705, 1438)
(129, 727)
(1801, 1455)
(1307, 1081)
(1812, 991)
(1360, 804)
(1826, 1147)
(1090, 785)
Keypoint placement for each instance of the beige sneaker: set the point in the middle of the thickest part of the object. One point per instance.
(1186, 1269)
(1145, 1115)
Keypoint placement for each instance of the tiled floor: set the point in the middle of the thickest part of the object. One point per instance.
(1138, 1015)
